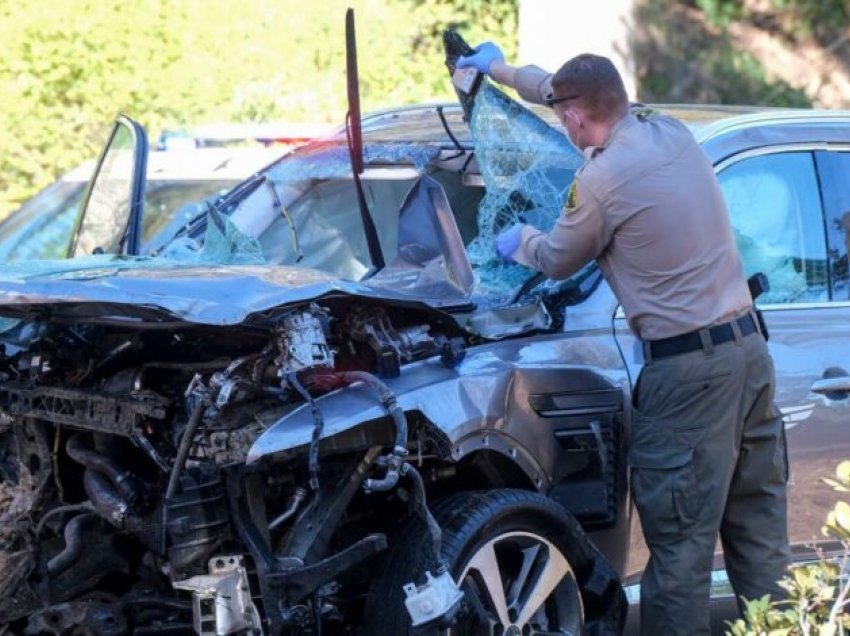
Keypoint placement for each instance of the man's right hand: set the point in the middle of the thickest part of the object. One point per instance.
(485, 54)
(507, 243)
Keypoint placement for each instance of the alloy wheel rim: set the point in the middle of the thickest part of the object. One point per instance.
(519, 584)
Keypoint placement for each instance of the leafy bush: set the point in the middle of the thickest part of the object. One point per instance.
(818, 593)
(70, 65)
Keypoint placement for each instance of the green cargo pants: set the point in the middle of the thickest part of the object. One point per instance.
(708, 456)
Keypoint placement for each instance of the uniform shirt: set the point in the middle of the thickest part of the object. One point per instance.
(647, 206)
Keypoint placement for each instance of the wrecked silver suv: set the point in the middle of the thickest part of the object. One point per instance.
(326, 407)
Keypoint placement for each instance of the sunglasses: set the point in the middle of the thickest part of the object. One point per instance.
(551, 101)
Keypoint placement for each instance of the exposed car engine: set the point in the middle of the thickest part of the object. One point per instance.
(126, 503)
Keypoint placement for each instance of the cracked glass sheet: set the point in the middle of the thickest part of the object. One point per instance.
(223, 244)
(527, 166)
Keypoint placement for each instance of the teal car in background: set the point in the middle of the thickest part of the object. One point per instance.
(177, 180)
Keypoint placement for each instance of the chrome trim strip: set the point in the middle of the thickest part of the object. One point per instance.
(779, 149)
(743, 122)
(827, 304)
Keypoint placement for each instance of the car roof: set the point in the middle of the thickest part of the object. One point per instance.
(196, 164)
(721, 129)
(803, 129)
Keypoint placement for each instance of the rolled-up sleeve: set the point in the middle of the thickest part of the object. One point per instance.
(533, 83)
(580, 234)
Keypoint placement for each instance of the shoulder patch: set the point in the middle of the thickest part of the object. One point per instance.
(571, 203)
(643, 112)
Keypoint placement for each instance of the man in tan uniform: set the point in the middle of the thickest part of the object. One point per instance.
(707, 449)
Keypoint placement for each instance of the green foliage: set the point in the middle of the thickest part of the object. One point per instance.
(680, 59)
(817, 593)
(823, 19)
(721, 12)
(69, 66)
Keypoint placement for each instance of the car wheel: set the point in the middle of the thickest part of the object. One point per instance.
(523, 562)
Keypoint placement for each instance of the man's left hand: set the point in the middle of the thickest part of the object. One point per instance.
(482, 58)
(507, 243)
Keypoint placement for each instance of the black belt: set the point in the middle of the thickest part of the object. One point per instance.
(692, 341)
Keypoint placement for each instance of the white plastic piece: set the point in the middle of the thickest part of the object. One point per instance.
(221, 600)
(464, 78)
(435, 598)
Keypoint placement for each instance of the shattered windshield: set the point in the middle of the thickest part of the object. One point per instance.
(439, 190)
(517, 169)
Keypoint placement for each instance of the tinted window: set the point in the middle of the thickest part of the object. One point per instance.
(834, 169)
(41, 228)
(774, 204)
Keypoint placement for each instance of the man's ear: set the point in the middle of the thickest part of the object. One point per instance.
(569, 113)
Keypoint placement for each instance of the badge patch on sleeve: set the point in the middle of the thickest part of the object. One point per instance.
(571, 203)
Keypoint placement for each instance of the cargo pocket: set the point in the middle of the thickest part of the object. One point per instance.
(663, 483)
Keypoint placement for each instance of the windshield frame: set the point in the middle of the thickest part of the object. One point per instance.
(130, 240)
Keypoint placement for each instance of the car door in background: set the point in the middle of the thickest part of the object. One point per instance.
(778, 204)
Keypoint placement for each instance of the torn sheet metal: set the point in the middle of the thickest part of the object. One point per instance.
(203, 294)
(488, 392)
(503, 322)
(430, 257)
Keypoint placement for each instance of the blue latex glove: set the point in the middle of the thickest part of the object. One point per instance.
(508, 242)
(485, 54)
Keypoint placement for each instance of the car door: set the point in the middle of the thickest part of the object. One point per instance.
(777, 208)
(791, 222)
(111, 218)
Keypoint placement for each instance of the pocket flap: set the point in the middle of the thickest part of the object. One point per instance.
(660, 457)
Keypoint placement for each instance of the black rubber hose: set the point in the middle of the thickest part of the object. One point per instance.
(421, 505)
(80, 507)
(106, 500)
(388, 399)
(318, 428)
(73, 544)
(128, 488)
(185, 446)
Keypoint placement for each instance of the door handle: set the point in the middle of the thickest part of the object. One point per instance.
(832, 385)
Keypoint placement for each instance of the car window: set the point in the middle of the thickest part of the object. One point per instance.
(834, 170)
(104, 226)
(41, 228)
(775, 209)
(164, 197)
(327, 226)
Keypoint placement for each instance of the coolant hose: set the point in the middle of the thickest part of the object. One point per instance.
(388, 399)
(318, 427)
(107, 502)
(184, 448)
(390, 402)
(127, 486)
(73, 544)
(420, 503)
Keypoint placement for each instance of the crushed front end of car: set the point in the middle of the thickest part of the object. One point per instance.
(267, 434)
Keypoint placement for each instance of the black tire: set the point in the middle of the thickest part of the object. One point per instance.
(512, 521)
